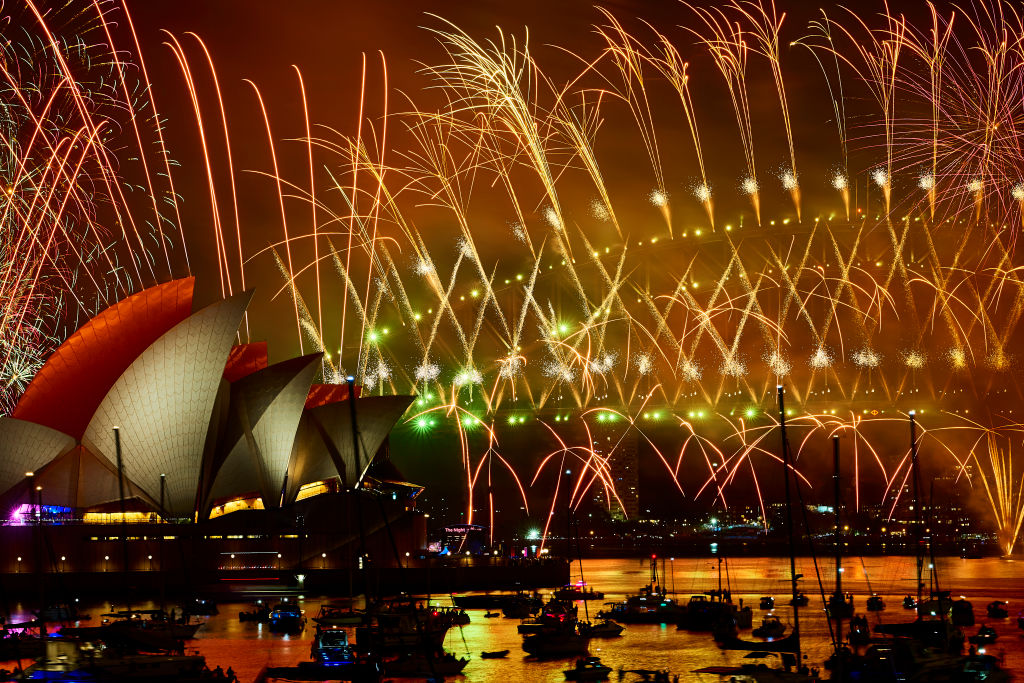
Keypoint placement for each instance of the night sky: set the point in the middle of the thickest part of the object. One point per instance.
(270, 44)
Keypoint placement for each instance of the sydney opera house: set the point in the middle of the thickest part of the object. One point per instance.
(152, 440)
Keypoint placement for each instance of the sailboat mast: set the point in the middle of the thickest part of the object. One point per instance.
(839, 529)
(917, 508)
(789, 522)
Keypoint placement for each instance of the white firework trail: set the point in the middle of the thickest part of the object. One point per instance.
(840, 181)
(702, 192)
(733, 367)
(468, 376)
(427, 372)
(690, 371)
(999, 360)
(643, 363)
(599, 211)
(551, 216)
(957, 358)
(1018, 192)
(603, 364)
(866, 358)
(519, 232)
(926, 182)
(778, 364)
(658, 197)
(821, 358)
(560, 371)
(914, 360)
(424, 267)
(511, 366)
(880, 177)
(789, 181)
(749, 185)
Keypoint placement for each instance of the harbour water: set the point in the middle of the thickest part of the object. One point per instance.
(249, 647)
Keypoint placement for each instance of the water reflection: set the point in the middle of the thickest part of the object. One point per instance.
(248, 647)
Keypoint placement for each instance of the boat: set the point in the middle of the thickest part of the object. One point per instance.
(997, 610)
(876, 603)
(363, 669)
(157, 633)
(287, 618)
(767, 602)
(425, 665)
(494, 654)
(703, 614)
(260, 613)
(61, 613)
(986, 635)
(491, 615)
(199, 607)
(330, 648)
(588, 669)
(494, 601)
(555, 616)
(909, 602)
(788, 648)
(771, 627)
(578, 591)
(652, 605)
(839, 605)
(16, 645)
(800, 600)
(860, 632)
(564, 643)
(962, 613)
(401, 631)
(334, 615)
(72, 660)
(605, 628)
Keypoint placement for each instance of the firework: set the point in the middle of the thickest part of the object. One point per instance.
(911, 279)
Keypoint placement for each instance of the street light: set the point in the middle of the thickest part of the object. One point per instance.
(106, 559)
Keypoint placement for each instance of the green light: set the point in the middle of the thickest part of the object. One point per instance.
(750, 413)
(563, 328)
(511, 419)
(372, 336)
(600, 417)
(422, 424)
(522, 419)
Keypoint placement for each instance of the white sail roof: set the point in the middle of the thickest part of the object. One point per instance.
(265, 411)
(324, 440)
(163, 402)
(26, 447)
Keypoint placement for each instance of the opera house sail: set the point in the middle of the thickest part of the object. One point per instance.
(249, 464)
